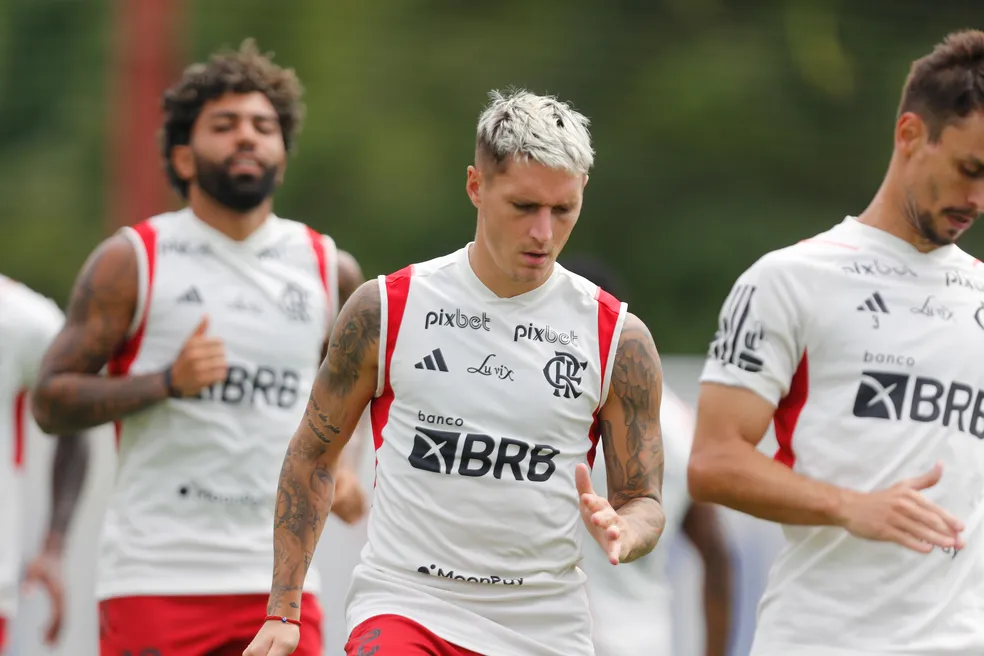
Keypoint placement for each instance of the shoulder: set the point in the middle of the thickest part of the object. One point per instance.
(800, 261)
(37, 316)
(580, 287)
(365, 301)
(636, 355)
(964, 261)
(430, 267)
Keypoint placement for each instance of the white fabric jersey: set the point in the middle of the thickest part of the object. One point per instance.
(192, 509)
(28, 323)
(484, 408)
(872, 352)
(631, 604)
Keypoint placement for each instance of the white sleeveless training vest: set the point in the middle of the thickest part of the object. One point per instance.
(484, 407)
(28, 323)
(192, 510)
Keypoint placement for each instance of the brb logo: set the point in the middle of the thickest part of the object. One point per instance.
(563, 372)
(547, 334)
(459, 319)
(245, 387)
(477, 455)
(894, 396)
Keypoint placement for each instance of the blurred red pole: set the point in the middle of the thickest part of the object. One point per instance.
(146, 58)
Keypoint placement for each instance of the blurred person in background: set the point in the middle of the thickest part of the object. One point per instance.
(632, 605)
(212, 322)
(863, 345)
(491, 373)
(28, 323)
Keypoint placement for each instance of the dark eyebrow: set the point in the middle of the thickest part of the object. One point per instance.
(220, 114)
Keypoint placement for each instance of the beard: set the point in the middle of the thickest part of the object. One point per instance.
(240, 193)
(924, 222)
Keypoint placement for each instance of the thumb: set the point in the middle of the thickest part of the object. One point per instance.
(929, 479)
(582, 478)
(202, 327)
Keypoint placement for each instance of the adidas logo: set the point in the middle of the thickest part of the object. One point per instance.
(874, 303)
(433, 362)
(190, 296)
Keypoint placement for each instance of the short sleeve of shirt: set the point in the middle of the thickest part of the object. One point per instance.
(38, 321)
(759, 341)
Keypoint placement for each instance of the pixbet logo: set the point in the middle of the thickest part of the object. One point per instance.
(456, 320)
(545, 334)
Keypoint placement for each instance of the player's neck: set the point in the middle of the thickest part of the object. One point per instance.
(887, 212)
(233, 224)
(492, 276)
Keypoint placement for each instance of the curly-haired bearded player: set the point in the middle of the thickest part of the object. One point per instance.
(212, 321)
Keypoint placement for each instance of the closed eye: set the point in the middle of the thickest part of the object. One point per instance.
(974, 171)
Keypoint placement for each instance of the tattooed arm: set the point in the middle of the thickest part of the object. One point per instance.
(71, 395)
(68, 471)
(351, 501)
(633, 444)
(350, 278)
(344, 387)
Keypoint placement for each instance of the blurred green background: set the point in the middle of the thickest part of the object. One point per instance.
(723, 128)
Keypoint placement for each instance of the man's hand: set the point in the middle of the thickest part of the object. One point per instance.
(274, 639)
(349, 503)
(902, 515)
(200, 364)
(604, 524)
(46, 570)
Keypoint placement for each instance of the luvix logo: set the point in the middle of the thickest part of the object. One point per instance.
(457, 320)
(894, 396)
(450, 574)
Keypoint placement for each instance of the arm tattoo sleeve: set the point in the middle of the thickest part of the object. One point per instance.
(631, 433)
(304, 496)
(71, 394)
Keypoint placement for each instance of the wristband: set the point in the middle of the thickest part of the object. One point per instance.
(285, 620)
(172, 391)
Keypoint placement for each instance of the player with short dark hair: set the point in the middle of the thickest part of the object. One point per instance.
(862, 347)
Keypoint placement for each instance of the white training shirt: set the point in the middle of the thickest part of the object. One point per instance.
(484, 408)
(632, 603)
(872, 352)
(28, 323)
(192, 511)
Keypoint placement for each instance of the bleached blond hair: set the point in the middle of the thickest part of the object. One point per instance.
(523, 126)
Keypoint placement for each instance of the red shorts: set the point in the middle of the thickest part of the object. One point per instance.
(195, 625)
(392, 635)
(3, 634)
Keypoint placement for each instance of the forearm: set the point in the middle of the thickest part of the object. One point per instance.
(645, 520)
(304, 498)
(740, 477)
(68, 473)
(69, 402)
(717, 606)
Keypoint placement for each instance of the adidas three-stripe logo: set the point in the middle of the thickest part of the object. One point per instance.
(190, 296)
(433, 362)
(874, 303)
